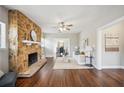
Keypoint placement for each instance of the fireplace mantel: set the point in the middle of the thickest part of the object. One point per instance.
(27, 42)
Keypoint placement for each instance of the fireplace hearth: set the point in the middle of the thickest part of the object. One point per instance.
(32, 58)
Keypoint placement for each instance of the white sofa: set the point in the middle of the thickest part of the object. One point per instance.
(80, 59)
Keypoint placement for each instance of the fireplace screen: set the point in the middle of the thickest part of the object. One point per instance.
(32, 58)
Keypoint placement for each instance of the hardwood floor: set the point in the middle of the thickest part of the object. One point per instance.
(47, 77)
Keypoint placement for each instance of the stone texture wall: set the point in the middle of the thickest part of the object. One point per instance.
(20, 28)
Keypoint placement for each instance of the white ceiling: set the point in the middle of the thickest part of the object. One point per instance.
(84, 18)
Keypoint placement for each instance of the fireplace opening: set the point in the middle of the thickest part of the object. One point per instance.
(32, 58)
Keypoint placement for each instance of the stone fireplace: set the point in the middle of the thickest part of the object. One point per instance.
(23, 56)
(32, 58)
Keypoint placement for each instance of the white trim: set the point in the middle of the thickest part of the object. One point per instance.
(112, 23)
(99, 50)
(49, 56)
(108, 67)
(96, 67)
(3, 35)
(61, 39)
(122, 67)
(111, 67)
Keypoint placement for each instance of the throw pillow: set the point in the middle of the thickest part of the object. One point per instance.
(1, 73)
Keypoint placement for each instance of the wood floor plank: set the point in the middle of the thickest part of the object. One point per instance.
(49, 77)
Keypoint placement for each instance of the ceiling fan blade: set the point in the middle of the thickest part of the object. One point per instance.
(54, 26)
(62, 22)
(68, 29)
(69, 25)
(59, 30)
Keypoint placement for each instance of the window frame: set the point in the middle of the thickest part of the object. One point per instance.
(2, 35)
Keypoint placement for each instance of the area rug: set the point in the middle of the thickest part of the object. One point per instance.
(68, 63)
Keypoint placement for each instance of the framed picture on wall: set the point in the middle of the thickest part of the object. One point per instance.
(84, 43)
(111, 42)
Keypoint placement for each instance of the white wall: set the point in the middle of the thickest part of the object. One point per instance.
(50, 42)
(4, 52)
(112, 59)
(98, 63)
(91, 35)
(122, 45)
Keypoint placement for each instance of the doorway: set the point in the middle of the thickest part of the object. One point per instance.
(61, 47)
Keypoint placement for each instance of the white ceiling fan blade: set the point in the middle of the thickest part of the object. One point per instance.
(68, 29)
(70, 25)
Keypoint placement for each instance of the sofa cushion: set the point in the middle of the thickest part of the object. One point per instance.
(8, 80)
(1, 73)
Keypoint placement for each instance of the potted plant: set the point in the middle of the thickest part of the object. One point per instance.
(82, 53)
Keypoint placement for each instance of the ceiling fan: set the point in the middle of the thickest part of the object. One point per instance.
(62, 27)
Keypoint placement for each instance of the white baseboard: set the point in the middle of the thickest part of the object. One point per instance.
(111, 67)
(122, 67)
(96, 67)
(49, 56)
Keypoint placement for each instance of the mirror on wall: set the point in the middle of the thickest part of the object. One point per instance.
(33, 35)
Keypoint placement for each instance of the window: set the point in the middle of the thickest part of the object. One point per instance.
(2, 35)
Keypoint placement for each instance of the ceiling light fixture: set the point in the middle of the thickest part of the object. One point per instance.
(64, 27)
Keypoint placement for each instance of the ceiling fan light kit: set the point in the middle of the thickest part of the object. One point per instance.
(62, 27)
